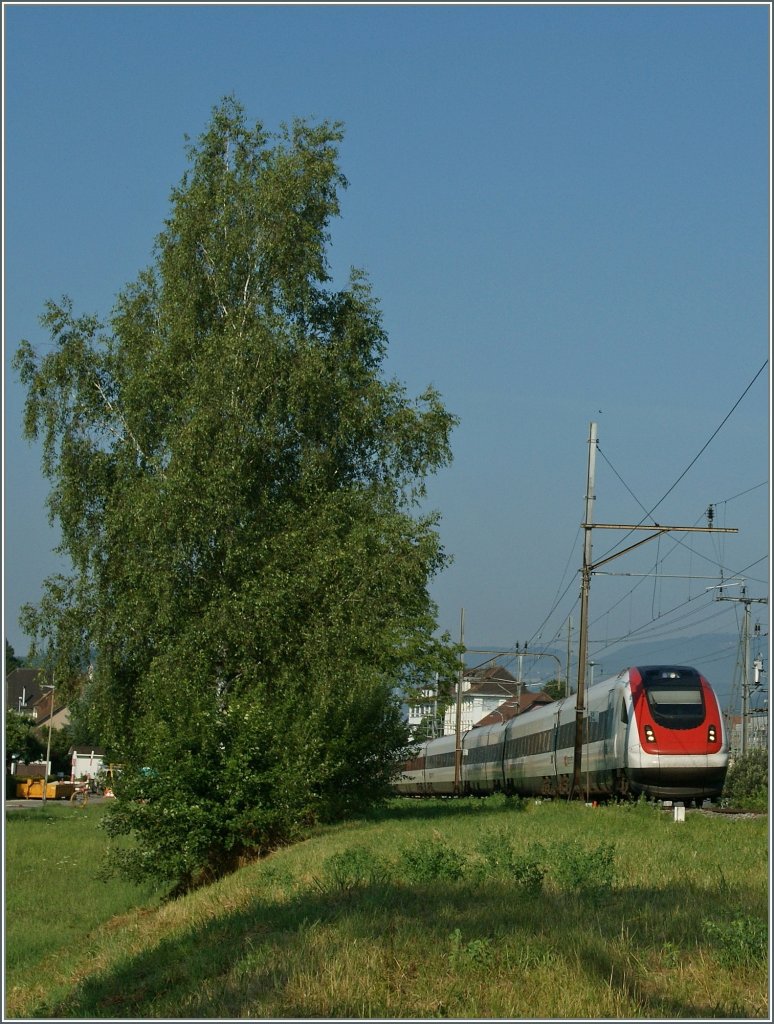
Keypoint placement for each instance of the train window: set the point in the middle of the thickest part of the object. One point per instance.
(568, 735)
(624, 714)
(675, 697)
(676, 702)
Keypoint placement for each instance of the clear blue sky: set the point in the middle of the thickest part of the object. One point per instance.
(564, 212)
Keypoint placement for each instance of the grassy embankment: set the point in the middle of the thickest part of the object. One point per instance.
(472, 909)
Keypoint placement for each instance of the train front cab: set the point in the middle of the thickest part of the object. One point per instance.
(677, 746)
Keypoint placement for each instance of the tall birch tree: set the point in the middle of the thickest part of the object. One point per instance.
(239, 490)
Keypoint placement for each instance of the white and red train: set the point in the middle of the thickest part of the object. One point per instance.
(655, 730)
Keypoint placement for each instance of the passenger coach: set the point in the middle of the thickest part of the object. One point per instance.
(653, 730)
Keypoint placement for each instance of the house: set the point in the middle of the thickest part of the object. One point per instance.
(520, 705)
(426, 710)
(483, 691)
(26, 692)
(45, 707)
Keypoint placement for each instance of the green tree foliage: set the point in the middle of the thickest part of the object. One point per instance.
(237, 485)
(11, 659)
(555, 688)
(84, 727)
(61, 746)
(21, 740)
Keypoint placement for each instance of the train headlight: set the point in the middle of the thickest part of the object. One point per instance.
(711, 735)
(649, 734)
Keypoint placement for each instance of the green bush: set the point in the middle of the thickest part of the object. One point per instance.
(742, 942)
(267, 780)
(501, 860)
(350, 869)
(528, 873)
(747, 782)
(496, 848)
(584, 871)
(476, 953)
(428, 860)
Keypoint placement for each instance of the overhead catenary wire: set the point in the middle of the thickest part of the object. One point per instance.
(664, 621)
(648, 514)
(654, 626)
(712, 437)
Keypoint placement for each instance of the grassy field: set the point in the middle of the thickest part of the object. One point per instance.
(54, 901)
(471, 909)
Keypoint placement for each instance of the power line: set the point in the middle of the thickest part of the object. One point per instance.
(711, 438)
(649, 514)
(741, 494)
(694, 460)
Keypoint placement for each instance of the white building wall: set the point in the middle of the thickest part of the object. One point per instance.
(418, 712)
(473, 710)
(85, 765)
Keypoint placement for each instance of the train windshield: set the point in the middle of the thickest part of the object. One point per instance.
(675, 698)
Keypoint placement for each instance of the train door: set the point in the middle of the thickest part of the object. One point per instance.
(616, 757)
(556, 767)
(611, 730)
(607, 777)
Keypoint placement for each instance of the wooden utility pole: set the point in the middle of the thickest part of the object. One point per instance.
(458, 724)
(583, 635)
(587, 571)
(569, 651)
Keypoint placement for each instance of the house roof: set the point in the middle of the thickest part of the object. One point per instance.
(493, 688)
(484, 673)
(491, 681)
(515, 706)
(45, 705)
(23, 683)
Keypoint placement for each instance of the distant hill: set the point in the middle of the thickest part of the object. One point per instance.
(715, 655)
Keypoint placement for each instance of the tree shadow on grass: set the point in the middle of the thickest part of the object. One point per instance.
(431, 808)
(246, 962)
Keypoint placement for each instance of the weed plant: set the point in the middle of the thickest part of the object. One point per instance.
(451, 909)
(432, 859)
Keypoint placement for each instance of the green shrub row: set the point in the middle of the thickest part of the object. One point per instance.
(747, 782)
(571, 867)
(582, 870)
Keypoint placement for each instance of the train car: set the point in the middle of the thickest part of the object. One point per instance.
(482, 759)
(655, 730)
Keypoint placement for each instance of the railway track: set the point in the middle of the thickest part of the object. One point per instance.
(731, 812)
